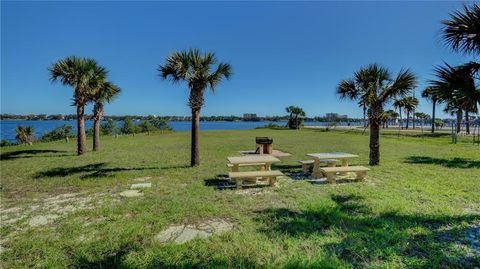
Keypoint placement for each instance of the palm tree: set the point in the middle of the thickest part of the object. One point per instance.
(399, 104)
(422, 117)
(296, 115)
(364, 109)
(195, 68)
(429, 93)
(387, 116)
(374, 86)
(455, 86)
(462, 31)
(409, 104)
(289, 110)
(105, 93)
(84, 75)
(24, 134)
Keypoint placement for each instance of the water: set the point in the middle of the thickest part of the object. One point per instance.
(7, 130)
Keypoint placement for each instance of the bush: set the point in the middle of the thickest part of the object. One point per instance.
(128, 127)
(25, 134)
(59, 133)
(109, 128)
(145, 127)
(161, 124)
(273, 126)
(5, 143)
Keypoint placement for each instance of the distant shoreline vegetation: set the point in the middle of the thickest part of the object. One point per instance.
(46, 117)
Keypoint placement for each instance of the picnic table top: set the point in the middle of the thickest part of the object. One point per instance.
(253, 159)
(332, 155)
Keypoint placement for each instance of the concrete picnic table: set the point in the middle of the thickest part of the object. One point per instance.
(317, 157)
(266, 160)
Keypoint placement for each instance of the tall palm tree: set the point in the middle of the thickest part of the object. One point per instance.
(106, 92)
(399, 104)
(388, 116)
(364, 109)
(409, 103)
(84, 75)
(195, 68)
(422, 117)
(429, 93)
(462, 30)
(289, 110)
(455, 86)
(374, 86)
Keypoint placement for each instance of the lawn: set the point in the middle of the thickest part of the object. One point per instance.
(412, 211)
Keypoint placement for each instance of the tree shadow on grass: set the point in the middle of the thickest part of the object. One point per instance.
(220, 182)
(293, 171)
(87, 171)
(450, 163)
(30, 153)
(159, 260)
(113, 260)
(174, 167)
(418, 241)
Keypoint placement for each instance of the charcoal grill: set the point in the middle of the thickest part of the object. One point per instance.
(264, 145)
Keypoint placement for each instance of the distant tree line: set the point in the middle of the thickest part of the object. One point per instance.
(170, 118)
(26, 134)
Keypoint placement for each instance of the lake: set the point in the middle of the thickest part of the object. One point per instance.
(41, 127)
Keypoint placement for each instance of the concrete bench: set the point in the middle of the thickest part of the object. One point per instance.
(307, 163)
(331, 172)
(239, 177)
(262, 165)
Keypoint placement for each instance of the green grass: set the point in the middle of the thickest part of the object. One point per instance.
(424, 189)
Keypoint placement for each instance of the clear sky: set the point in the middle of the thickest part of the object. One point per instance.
(282, 53)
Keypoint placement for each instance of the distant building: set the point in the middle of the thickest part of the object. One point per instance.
(335, 117)
(250, 117)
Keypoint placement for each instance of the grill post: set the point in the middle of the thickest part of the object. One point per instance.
(264, 145)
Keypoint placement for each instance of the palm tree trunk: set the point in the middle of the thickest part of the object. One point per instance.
(195, 147)
(80, 130)
(374, 142)
(433, 116)
(467, 123)
(413, 120)
(459, 120)
(98, 113)
(364, 115)
(408, 119)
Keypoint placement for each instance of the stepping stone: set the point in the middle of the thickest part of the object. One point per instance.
(141, 185)
(141, 179)
(41, 220)
(131, 193)
(180, 234)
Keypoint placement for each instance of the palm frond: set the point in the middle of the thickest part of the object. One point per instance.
(462, 30)
(400, 86)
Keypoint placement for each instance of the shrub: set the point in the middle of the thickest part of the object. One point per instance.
(59, 133)
(109, 128)
(161, 124)
(5, 143)
(25, 134)
(145, 127)
(128, 127)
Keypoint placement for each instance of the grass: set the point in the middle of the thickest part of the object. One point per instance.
(409, 213)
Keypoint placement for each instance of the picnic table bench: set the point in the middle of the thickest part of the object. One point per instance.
(319, 157)
(265, 163)
(307, 163)
(239, 177)
(331, 172)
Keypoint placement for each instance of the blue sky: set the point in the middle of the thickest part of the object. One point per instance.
(282, 53)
